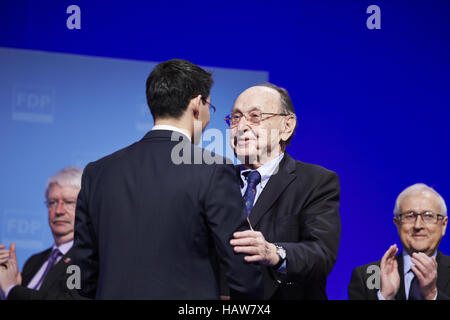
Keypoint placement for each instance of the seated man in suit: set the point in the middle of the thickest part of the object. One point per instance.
(293, 206)
(44, 274)
(152, 216)
(421, 271)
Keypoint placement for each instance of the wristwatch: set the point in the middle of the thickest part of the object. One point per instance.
(282, 253)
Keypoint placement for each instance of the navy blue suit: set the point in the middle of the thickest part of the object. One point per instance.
(147, 228)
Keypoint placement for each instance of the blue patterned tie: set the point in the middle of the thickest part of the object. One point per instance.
(414, 290)
(253, 178)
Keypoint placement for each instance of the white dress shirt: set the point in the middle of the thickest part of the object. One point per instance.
(171, 128)
(266, 171)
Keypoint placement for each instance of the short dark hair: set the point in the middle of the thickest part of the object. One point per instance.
(172, 84)
(286, 104)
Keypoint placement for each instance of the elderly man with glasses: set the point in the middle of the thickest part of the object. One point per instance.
(421, 271)
(44, 274)
(292, 206)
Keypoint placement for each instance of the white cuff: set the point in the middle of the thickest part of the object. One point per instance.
(380, 296)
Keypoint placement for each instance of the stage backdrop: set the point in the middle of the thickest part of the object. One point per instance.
(373, 104)
(62, 110)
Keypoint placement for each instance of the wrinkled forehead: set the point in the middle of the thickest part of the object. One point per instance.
(67, 191)
(420, 202)
(258, 98)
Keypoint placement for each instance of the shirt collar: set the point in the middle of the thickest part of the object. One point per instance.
(407, 263)
(171, 128)
(266, 170)
(65, 247)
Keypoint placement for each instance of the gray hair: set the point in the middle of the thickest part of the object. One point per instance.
(419, 188)
(69, 176)
(286, 104)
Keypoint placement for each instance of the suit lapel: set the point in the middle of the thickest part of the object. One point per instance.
(443, 262)
(31, 268)
(57, 271)
(401, 295)
(273, 189)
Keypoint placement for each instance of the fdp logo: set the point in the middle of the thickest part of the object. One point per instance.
(33, 103)
(23, 228)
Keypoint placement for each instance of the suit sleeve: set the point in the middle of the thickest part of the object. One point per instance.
(225, 214)
(442, 295)
(315, 255)
(24, 293)
(356, 287)
(85, 249)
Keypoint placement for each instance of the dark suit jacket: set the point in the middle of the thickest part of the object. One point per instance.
(358, 290)
(54, 285)
(147, 228)
(299, 209)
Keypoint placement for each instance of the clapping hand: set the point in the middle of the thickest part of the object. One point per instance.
(11, 275)
(389, 276)
(425, 269)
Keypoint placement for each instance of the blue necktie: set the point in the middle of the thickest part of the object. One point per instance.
(414, 290)
(253, 178)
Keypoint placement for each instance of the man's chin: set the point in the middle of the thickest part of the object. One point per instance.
(61, 232)
(246, 158)
(420, 248)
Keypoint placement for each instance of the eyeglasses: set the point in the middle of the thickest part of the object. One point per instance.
(427, 217)
(254, 117)
(212, 109)
(67, 204)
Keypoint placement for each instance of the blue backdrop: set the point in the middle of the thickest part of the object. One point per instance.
(373, 105)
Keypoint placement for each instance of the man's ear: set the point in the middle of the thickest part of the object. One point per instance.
(396, 221)
(194, 106)
(444, 225)
(289, 125)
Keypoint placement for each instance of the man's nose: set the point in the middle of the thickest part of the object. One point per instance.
(419, 224)
(242, 124)
(60, 208)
